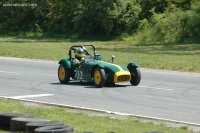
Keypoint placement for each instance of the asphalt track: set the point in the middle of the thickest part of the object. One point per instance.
(167, 95)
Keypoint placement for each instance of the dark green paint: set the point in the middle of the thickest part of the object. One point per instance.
(67, 62)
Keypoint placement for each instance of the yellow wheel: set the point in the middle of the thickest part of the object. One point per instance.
(99, 77)
(63, 74)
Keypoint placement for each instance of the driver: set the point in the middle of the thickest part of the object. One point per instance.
(79, 55)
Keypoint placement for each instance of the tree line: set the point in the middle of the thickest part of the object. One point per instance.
(87, 18)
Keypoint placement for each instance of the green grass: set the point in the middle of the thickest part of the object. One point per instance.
(181, 57)
(83, 121)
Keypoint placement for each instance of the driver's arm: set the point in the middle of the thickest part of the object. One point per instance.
(76, 63)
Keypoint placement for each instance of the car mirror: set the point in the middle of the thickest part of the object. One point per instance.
(113, 57)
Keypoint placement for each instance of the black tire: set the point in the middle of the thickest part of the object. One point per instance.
(55, 129)
(30, 127)
(135, 74)
(63, 74)
(110, 84)
(99, 77)
(19, 124)
(5, 119)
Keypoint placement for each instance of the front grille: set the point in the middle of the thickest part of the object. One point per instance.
(122, 78)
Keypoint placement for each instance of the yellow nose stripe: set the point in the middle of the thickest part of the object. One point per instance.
(120, 69)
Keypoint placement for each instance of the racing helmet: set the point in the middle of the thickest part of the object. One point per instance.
(79, 53)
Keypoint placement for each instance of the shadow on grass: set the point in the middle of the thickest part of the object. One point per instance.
(111, 44)
(49, 37)
(175, 49)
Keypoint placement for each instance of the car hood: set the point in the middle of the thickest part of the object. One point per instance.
(113, 67)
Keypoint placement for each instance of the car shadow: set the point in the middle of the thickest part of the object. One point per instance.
(88, 84)
(77, 83)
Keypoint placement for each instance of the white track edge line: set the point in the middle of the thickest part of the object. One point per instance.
(29, 96)
(29, 60)
(170, 72)
(109, 112)
(156, 88)
(10, 72)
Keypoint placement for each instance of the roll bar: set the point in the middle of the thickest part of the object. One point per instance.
(81, 46)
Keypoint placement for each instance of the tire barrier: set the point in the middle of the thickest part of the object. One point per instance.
(19, 123)
(28, 123)
(55, 129)
(30, 127)
(5, 119)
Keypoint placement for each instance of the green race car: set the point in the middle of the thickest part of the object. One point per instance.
(93, 68)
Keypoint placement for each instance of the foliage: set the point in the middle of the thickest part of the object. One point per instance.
(106, 17)
(174, 25)
(149, 7)
(190, 23)
(103, 18)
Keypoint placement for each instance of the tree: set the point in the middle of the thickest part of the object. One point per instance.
(106, 17)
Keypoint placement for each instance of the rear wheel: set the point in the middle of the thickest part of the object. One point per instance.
(63, 74)
(99, 77)
(135, 74)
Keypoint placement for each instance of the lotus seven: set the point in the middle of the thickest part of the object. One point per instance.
(82, 65)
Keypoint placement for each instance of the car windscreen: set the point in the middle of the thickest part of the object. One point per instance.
(89, 57)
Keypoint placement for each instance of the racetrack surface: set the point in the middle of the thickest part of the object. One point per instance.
(161, 94)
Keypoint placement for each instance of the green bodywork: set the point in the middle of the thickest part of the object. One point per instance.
(88, 66)
(83, 69)
(67, 63)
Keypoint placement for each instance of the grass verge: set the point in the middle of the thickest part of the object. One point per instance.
(83, 121)
(181, 57)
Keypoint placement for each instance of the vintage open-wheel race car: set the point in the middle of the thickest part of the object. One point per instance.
(93, 68)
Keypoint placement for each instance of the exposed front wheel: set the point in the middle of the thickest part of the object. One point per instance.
(135, 74)
(63, 74)
(99, 77)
